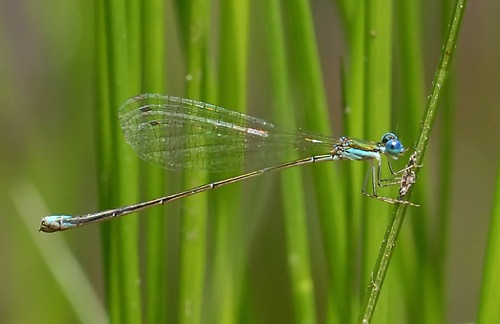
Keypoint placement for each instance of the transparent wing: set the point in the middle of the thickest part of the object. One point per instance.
(182, 134)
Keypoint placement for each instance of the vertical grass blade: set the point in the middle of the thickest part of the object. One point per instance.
(353, 17)
(153, 65)
(490, 294)
(291, 181)
(309, 93)
(416, 267)
(228, 277)
(121, 25)
(194, 209)
(446, 181)
(377, 105)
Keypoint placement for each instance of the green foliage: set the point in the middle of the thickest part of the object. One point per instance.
(301, 249)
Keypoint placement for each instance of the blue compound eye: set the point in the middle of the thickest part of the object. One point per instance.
(387, 137)
(394, 147)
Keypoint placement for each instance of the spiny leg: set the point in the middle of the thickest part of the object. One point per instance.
(376, 174)
(395, 180)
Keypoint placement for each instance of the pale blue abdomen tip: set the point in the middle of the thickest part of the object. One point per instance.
(55, 223)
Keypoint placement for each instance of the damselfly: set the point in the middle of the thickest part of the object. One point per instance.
(182, 134)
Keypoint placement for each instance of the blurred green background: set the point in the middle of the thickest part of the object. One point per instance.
(47, 134)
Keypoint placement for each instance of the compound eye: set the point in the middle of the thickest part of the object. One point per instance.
(394, 147)
(387, 137)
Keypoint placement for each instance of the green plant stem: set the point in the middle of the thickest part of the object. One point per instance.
(229, 268)
(396, 221)
(490, 294)
(353, 94)
(121, 25)
(378, 37)
(447, 164)
(194, 209)
(310, 94)
(153, 63)
(291, 181)
(415, 270)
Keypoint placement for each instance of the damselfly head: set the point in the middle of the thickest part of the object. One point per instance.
(392, 146)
